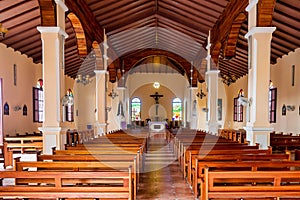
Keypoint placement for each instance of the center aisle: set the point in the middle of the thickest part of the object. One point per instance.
(162, 179)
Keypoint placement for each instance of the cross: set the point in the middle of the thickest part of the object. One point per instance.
(156, 97)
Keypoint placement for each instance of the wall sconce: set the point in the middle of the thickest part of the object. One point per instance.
(201, 93)
(108, 108)
(84, 79)
(290, 107)
(205, 110)
(17, 108)
(113, 94)
(3, 31)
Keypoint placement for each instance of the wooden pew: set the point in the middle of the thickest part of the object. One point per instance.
(239, 184)
(69, 184)
(112, 152)
(96, 165)
(24, 144)
(6, 155)
(238, 166)
(186, 161)
(235, 156)
(247, 161)
(284, 142)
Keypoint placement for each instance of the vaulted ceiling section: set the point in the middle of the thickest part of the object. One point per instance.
(137, 30)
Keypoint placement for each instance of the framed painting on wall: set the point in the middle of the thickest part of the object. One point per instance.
(219, 109)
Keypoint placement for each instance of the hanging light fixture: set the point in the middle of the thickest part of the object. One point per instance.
(228, 79)
(113, 94)
(201, 94)
(3, 31)
(84, 79)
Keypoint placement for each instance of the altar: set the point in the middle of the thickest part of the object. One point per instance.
(157, 129)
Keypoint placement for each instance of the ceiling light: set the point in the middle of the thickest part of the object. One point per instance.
(3, 31)
(84, 79)
(156, 85)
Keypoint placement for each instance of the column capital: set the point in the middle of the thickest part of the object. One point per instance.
(50, 129)
(252, 3)
(211, 72)
(208, 57)
(52, 29)
(256, 30)
(193, 88)
(121, 88)
(258, 129)
(62, 5)
(208, 46)
(100, 71)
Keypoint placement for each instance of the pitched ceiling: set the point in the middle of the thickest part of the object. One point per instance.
(137, 30)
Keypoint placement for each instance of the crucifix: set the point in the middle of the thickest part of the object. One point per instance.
(156, 97)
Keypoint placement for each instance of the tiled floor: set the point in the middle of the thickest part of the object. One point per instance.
(162, 179)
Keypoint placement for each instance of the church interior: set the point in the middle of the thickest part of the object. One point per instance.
(150, 99)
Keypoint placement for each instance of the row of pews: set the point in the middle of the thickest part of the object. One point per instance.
(106, 167)
(284, 141)
(20, 143)
(217, 167)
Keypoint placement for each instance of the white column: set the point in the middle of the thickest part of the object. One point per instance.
(122, 119)
(193, 107)
(51, 41)
(212, 101)
(258, 126)
(101, 113)
(53, 78)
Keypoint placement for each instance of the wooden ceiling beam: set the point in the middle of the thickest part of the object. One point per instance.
(232, 39)
(223, 26)
(265, 12)
(48, 13)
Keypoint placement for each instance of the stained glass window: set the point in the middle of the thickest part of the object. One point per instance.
(135, 109)
(176, 109)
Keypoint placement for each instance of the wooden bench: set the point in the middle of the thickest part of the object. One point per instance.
(97, 165)
(238, 166)
(24, 144)
(284, 142)
(6, 156)
(235, 156)
(221, 150)
(239, 184)
(251, 162)
(69, 184)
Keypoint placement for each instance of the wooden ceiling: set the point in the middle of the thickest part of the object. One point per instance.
(137, 30)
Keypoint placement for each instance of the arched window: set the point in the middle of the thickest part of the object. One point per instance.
(38, 102)
(238, 107)
(176, 109)
(68, 106)
(136, 109)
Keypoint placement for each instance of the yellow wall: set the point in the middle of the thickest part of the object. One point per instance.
(148, 103)
(281, 76)
(232, 92)
(27, 75)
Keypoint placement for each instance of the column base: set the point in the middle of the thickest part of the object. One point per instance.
(212, 127)
(51, 138)
(100, 129)
(260, 135)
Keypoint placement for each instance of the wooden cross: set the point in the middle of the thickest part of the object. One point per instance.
(156, 97)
